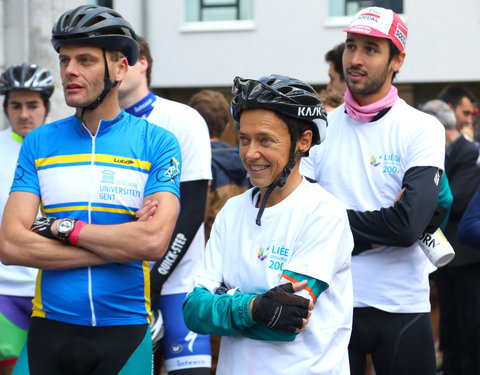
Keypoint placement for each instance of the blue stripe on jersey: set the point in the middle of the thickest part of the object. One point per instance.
(101, 180)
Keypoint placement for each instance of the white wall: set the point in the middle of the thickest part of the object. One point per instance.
(443, 43)
(292, 37)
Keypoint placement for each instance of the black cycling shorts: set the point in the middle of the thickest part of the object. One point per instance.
(399, 343)
(57, 348)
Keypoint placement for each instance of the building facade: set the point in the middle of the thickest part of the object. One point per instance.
(206, 43)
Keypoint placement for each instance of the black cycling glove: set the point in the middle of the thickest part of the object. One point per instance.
(43, 226)
(280, 309)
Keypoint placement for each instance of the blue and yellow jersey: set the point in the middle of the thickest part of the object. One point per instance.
(99, 179)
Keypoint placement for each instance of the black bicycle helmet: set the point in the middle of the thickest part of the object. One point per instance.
(287, 96)
(27, 77)
(282, 94)
(97, 26)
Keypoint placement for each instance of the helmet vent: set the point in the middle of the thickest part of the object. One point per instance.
(95, 20)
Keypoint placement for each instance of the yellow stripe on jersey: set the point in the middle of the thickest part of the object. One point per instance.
(146, 277)
(37, 300)
(63, 159)
(65, 208)
(101, 158)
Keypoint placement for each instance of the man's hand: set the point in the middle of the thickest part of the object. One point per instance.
(146, 211)
(399, 196)
(281, 309)
(43, 226)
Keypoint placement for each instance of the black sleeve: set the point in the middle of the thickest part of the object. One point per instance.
(437, 219)
(193, 195)
(402, 223)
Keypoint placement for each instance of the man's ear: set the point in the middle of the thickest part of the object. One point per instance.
(122, 68)
(397, 61)
(143, 62)
(304, 141)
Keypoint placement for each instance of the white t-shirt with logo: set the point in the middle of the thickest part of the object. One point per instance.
(363, 165)
(14, 280)
(306, 233)
(192, 133)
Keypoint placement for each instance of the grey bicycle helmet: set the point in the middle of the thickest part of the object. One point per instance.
(97, 26)
(27, 77)
(288, 96)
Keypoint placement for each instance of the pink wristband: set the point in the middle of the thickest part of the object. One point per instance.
(73, 237)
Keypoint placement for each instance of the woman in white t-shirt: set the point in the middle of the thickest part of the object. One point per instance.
(279, 249)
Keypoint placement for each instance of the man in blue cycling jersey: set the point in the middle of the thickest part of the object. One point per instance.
(91, 172)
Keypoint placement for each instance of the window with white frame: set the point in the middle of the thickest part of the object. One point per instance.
(218, 10)
(341, 8)
(103, 3)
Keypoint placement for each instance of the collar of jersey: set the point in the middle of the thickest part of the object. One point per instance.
(106, 125)
(143, 107)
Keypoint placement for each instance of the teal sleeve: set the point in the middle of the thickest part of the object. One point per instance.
(222, 315)
(261, 332)
(314, 287)
(445, 198)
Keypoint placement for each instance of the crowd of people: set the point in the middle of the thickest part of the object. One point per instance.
(134, 240)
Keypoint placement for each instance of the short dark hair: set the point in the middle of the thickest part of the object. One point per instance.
(453, 94)
(394, 51)
(335, 56)
(296, 124)
(144, 51)
(45, 99)
(214, 108)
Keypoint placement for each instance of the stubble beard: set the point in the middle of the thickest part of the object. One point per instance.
(370, 87)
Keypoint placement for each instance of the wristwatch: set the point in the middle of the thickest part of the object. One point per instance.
(65, 228)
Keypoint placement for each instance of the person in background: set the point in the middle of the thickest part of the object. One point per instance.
(377, 146)
(229, 177)
(337, 83)
(183, 351)
(27, 89)
(91, 172)
(330, 99)
(469, 227)
(463, 103)
(458, 283)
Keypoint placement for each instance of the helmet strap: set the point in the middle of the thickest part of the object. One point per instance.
(107, 86)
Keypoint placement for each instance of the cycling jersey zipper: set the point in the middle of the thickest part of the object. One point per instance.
(90, 289)
(90, 296)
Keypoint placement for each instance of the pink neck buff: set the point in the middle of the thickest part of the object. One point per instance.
(368, 112)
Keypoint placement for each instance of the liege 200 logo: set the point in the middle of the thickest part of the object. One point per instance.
(390, 163)
(277, 255)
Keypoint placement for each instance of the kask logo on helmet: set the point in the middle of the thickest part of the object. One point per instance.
(310, 111)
